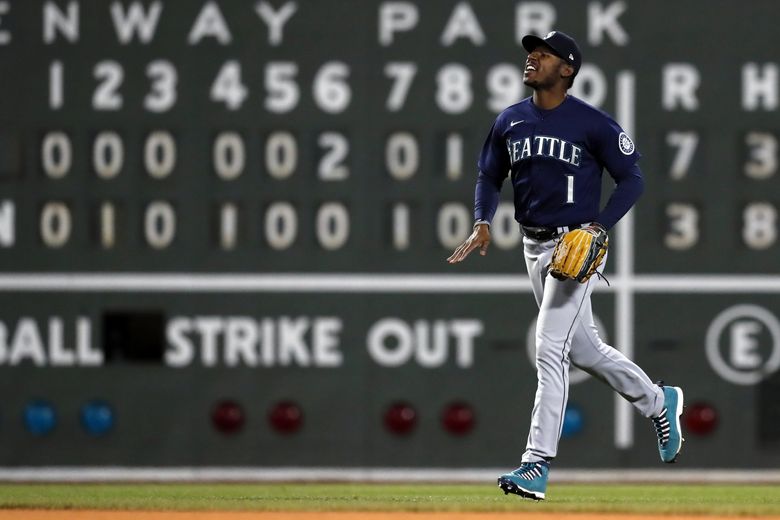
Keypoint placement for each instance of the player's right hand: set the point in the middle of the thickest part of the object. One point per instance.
(480, 238)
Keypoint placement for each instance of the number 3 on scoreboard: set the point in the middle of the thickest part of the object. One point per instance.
(570, 189)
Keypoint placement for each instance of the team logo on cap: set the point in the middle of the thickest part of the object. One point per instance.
(549, 35)
(571, 56)
(626, 144)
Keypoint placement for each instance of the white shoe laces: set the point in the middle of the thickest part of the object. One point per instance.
(662, 427)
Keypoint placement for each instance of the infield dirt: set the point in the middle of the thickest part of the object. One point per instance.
(22, 514)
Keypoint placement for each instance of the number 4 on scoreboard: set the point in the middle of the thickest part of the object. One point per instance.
(228, 88)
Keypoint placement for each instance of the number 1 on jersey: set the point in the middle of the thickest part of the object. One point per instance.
(570, 189)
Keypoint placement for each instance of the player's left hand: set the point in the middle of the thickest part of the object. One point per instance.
(579, 253)
(480, 238)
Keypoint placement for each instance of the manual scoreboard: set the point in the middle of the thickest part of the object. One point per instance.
(256, 198)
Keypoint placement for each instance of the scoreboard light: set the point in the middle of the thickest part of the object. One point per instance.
(573, 421)
(458, 418)
(286, 417)
(228, 416)
(400, 418)
(97, 417)
(39, 417)
(701, 418)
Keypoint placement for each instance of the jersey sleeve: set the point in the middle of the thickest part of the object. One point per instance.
(493, 167)
(615, 150)
(613, 147)
(494, 157)
(627, 191)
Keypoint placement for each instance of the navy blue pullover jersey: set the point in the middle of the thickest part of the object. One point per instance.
(556, 158)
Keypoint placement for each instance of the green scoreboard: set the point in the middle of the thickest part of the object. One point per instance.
(251, 202)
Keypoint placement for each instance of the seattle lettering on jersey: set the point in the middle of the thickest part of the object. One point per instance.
(544, 146)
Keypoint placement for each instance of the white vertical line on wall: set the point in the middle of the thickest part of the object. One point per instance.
(624, 295)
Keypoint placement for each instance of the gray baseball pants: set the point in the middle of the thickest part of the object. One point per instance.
(566, 334)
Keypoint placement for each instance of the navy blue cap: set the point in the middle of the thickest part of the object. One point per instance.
(562, 45)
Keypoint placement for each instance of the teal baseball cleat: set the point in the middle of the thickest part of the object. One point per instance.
(528, 481)
(667, 425)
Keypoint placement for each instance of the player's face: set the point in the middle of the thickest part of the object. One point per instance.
(543, 69)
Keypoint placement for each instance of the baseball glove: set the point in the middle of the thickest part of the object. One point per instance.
(579, 252)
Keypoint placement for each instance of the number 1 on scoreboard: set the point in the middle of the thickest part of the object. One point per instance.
(55, 85)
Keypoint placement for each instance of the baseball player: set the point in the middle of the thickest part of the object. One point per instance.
(555, 147)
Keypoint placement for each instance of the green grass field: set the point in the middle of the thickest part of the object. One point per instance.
(648, 499)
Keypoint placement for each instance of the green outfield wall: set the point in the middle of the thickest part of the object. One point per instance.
(240, 211)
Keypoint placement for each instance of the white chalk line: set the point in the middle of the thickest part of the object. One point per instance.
(360, 474)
